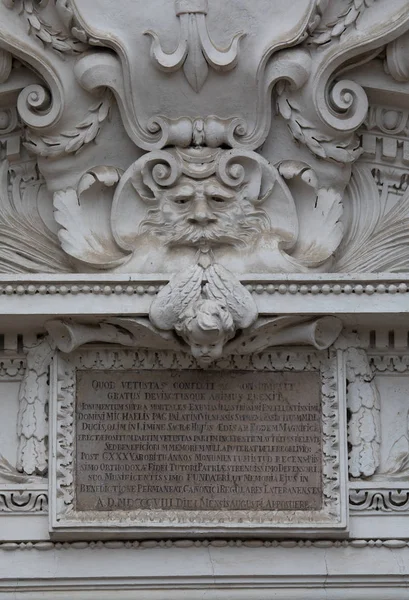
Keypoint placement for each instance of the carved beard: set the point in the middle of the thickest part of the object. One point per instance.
(227, 231)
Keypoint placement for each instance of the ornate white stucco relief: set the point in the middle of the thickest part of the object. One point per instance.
(146, 175)
(206, 144)
(196, 183)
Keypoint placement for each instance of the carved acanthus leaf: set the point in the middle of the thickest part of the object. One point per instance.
(319, 212)
(26, 243)
(84, 215)
(374, 241)
(74, 140)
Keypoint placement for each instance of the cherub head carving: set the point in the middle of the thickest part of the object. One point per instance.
(206, 308)
(202, 198)
(206, 326)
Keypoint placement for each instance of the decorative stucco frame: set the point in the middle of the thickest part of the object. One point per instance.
(66, 522)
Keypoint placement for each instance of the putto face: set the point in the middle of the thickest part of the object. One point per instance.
(206, 345)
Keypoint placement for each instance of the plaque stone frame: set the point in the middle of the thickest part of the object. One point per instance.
(68, 523)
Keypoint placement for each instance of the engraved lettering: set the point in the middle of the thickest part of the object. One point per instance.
(198, 440)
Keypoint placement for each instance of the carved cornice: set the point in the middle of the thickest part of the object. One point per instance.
(219, 543)
(111, 285)
(129, 295)
(390, 361)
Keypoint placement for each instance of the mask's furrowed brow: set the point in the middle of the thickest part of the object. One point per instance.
(184, 191)
(212, 189)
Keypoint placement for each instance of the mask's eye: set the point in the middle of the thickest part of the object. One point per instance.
(218, 199)
(181, 201)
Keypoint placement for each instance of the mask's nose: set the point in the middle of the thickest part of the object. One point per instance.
(201, 215)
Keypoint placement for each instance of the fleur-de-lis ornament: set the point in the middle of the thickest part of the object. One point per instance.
(196, 51)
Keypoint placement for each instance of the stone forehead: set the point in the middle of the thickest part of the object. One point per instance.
(203, 162)
(198, 163)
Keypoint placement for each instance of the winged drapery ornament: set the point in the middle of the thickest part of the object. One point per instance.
(207, 312)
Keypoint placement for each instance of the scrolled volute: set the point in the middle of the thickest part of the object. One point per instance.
(155, 170)
(238, 167)
(37, 108)
(346, 107)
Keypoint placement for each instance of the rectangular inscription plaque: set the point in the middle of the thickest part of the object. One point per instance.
(198, 440)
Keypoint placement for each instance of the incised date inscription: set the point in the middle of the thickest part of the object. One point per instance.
(198, 440)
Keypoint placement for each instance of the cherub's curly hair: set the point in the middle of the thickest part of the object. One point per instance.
(210, 315)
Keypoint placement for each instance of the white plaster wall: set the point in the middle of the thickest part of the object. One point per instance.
(193, 573)
(8, 420)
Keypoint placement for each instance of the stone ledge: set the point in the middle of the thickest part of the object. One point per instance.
(119, 294)
(218, 543)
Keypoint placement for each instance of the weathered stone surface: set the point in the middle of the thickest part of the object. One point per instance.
(194, 440)
(207, 179)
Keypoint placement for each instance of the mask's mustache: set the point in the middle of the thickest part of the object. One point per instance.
(227, 231)
(183, 234)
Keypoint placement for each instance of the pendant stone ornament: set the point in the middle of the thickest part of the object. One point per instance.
(195, 50)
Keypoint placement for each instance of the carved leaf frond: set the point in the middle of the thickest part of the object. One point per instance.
(374, 241)
(346, 19)
(32, 427)
(73, 141)
(398, 459)
(10, 473)
(321, 228)
(26, 243)
(85, 232)
(364, 430)
(56, 39)
(306, 133)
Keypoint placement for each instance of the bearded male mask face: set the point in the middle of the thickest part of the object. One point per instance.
(204, 213)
